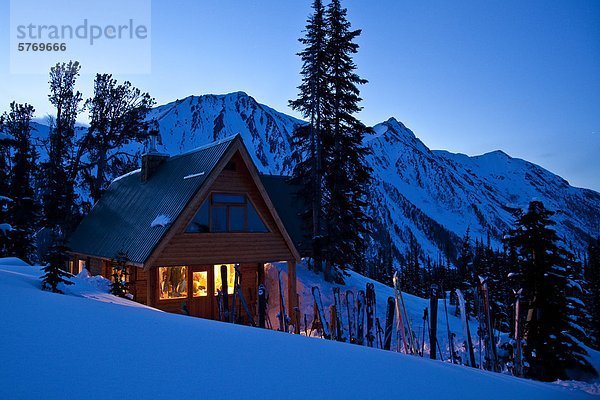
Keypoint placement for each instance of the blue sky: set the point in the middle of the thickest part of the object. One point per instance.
(465, 76)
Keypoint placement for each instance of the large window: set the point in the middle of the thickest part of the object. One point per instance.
(225, 212)
(230, 278)
(172, 282)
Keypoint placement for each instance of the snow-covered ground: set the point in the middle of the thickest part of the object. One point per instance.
(89, 344)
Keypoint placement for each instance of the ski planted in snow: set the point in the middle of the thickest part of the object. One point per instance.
(225, 293)
(401, 342)
(262, 305)
(240, 295)
(360, 320)
(450, 334)
(236, 277)
(351, 311)
(316, 292)
(339, 327)
(486, 328)
(389, 323)
(466, 330)
(220, 304)
(370, 314)
(433, 309)
(283, 319)
(518, 363)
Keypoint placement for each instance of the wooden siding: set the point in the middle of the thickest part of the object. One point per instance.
(138, 284)
(209, 248)
(95, 266)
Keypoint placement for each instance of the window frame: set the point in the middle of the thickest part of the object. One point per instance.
(187, 283)
(228, 206)
(212, 204)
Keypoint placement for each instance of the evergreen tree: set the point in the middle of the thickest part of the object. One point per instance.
(117, 117)
(54, 273)
(23, 212)
(307, 139)
(119, 275)
(4, 187)
(550, 351)
(347, 176)
(328, 152)
(62, 167)
(381, 258)
(592, 278)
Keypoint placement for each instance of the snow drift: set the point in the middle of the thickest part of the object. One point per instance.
(89, 344)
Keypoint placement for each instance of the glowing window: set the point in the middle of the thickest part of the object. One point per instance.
(230, 278)
(81, 265)
(172, 282)
(200, 284)
(122, 274)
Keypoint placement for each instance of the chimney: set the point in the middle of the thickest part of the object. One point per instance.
(152, 160)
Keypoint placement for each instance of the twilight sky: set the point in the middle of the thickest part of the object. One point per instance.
(465, 76)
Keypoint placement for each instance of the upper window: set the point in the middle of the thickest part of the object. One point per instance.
(226, 212)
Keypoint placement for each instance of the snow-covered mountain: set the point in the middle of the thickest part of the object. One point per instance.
(433, 196)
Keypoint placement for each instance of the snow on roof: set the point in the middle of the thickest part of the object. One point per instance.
(161, 220)
(118, 178)
(193, 175)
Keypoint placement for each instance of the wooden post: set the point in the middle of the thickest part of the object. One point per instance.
(261, 274)
(293, 306)
(152, 286)
(433, 309)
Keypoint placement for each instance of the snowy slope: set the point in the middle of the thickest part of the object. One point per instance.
(433, 196)
(91, 345)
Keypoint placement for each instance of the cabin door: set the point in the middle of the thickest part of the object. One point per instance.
(202, 292)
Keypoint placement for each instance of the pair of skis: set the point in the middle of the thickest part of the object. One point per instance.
(468, 343)
(316, 292)
(225, 314)
(486, 330)
(404, 332)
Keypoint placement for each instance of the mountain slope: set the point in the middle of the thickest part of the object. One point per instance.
(198, 120)
(429, 196)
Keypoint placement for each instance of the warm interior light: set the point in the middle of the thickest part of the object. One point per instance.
(172, 282)
(230, 277)
(200, 283)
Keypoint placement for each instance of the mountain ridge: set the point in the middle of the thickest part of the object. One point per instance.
(418, 194)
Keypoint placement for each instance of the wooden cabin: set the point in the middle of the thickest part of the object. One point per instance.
(179, 219)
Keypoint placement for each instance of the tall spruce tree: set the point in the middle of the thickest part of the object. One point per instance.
(550, 351)
(4, 186)
(347, 175)
(23, 210)
(117, 117)
(307, 139)
(592, 278)
(62, 167)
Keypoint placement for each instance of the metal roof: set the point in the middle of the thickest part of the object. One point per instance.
(121, 220)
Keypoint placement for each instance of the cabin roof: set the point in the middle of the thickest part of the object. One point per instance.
(133, 216)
